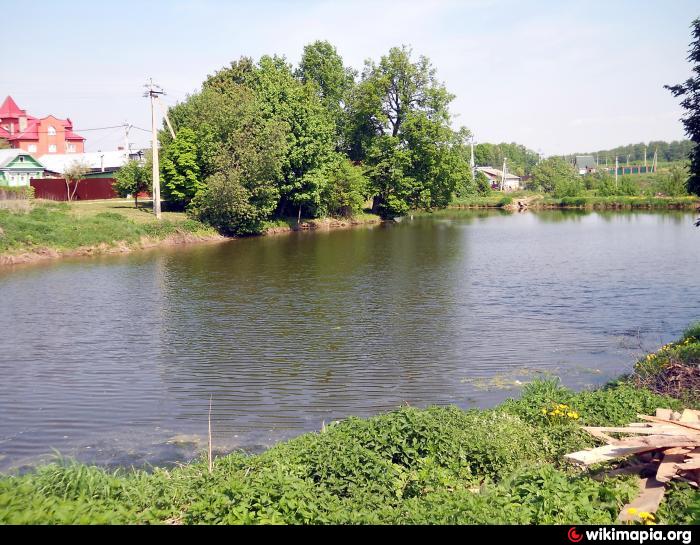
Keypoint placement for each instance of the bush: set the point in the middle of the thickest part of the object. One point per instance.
(345, 192)
(231, 208)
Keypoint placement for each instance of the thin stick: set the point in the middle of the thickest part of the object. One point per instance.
(210, 460)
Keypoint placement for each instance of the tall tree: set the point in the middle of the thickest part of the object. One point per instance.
(690, 91)
(400, 126)
(181, 175)
(322, 66)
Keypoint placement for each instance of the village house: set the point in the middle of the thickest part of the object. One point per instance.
(585, 164)
(495, 176)
(18, 167)
(38, 136)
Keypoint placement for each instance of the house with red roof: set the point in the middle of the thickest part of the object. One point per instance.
(38, 136)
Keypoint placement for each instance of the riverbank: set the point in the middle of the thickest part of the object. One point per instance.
(542, 201)
(44, 230)
(440, 465)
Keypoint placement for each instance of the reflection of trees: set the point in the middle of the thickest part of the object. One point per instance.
(285, 330)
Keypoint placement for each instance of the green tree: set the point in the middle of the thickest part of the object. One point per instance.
(180, 169)
(690, 91)
(322, 66)
(399, 125)
(133, 178)
(74, 174)
(232, 206)
(346, 189)
(552, 173)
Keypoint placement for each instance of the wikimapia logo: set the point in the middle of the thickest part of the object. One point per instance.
(637, 536)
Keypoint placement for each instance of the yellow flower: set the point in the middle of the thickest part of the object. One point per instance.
(632, 511)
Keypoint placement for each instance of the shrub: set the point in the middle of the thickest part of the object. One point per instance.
(345, 192)
(230, 207)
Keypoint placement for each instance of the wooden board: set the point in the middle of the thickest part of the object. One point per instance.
(689, 415)
(651, 494)
(606, 453)
(695, 427)
(669, 465)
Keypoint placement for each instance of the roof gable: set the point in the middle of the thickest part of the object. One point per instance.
(9, 108)
(11, 158)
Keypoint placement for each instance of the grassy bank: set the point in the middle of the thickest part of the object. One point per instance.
(63, 228)
(437, 465)
(586, 201)
(33, 230)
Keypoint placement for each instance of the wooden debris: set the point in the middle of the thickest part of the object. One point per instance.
(652, 492)
(667, 444)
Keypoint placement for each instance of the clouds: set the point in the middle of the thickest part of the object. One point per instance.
(558, 76)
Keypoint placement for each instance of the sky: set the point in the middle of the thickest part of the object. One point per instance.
(557, 76)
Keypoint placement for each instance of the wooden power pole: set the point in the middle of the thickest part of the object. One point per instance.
(152, 93)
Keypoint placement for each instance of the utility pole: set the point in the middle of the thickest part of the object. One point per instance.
(472, 164)
(616, 166)
(503, 177)
(153, 92)
(645, 159)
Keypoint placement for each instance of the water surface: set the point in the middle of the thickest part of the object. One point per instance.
(107, 359)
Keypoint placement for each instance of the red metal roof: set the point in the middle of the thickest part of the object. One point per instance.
(10, 109)
(4, 134)
(30, 133)
(70, 135)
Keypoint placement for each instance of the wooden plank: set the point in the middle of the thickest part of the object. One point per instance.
(689, 465)
(664, 413)
(668, 466)
(662, 441)
(606, 453)
(651, 494)
(689, 415)
(652, 430)
(673, 422)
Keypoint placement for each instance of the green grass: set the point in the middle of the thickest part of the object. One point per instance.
(440, 465)
(64, 226)
(587, 200)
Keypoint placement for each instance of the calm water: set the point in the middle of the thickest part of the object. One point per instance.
(108, 359)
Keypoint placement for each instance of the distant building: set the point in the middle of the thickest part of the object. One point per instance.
(585, 164)
(47, 135)
(495, 176)
(18, 167)
(103, 164)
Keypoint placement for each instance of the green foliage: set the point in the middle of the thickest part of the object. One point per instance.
(674, 183)
(54, 226)
(483, 184)
(520, 160)
(555, 175)
(690, 91)
(438, 465)
(234, 206)
(346, 189)
(133, 179)
(180, 169)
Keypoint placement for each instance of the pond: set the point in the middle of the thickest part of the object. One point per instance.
(114, 359)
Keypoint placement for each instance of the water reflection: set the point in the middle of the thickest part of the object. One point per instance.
(110, 357)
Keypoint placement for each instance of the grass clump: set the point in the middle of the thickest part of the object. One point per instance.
(61, 226)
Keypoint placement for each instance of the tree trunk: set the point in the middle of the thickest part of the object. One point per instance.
(299, 217)
(136, 201)
(68, 189)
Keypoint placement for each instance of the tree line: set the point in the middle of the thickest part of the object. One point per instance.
(265, 139)
(675, 151)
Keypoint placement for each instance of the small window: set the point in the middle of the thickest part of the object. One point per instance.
(21, 158)
(52, 148)
(52, 130)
